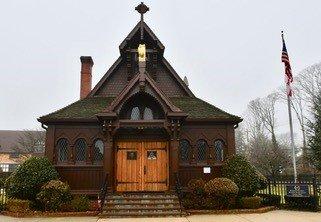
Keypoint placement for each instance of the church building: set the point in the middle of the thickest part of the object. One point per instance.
(140, 127)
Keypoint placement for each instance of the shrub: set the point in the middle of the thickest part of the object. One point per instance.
(196, 185)
(26, 181)
(17, 205)
(250, 202)
(193, 201)
(270, 199)
(307, 203)
(238, 169)
(80, 203)
(54, 194)
(222, 191)
(221, 187)
(263, 182)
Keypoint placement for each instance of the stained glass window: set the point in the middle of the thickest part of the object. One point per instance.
(62, 150)
(201, 150)
(219, 150)
(135, 114)
(148, 113)
(184, 150)
(81, 150)
(98, 151)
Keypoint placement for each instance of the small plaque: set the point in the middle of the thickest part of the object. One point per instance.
(206, 170)
(152, 155)
(297, 190)
(131, 155)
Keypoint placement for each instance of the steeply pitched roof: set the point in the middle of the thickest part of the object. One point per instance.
(199, 109)
(87, 108)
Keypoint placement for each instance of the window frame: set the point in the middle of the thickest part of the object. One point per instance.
(97, 162)
(58, 148)
(81, 162)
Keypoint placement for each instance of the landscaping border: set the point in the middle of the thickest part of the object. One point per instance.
(50, 214)
(233, 211)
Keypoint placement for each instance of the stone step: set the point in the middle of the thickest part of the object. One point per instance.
(142, 214)
(142, 207)
(142, 197)
(144, 202)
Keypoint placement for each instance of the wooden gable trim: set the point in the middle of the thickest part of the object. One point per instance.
(120, 98)
(136, 29)
(177, 78)
(105, 77)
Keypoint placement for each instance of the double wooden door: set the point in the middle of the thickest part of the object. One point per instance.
(142, 166)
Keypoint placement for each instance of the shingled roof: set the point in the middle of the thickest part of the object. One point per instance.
(88, 107)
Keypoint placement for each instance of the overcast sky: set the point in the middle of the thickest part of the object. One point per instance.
(229, 50)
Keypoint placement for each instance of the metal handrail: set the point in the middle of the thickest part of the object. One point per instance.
(103, 192)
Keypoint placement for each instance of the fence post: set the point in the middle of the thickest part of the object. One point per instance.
(269, 186)
(314, 185)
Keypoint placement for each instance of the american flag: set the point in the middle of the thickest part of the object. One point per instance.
(288, 72)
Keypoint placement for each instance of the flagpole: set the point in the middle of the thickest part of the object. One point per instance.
(292, 138)
(289, 94)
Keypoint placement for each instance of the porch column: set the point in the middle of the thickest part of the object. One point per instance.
(174, 143)
(109, 160)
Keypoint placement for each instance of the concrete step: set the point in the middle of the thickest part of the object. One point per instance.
(142, 207)
(142, 197)
(141, 202)
(142, 214)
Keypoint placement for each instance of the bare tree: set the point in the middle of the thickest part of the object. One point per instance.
(264, 109)
(309, 82)
(31, 142)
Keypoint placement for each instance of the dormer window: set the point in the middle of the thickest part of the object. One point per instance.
(142, 106)
(141, 113)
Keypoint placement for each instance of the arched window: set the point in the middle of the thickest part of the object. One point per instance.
(201, 151)
(184, 151)
(135, 114)
(62, 150)
(141, 106)
(81, 150)
(98, 151)
(148, 114)
(219, 150)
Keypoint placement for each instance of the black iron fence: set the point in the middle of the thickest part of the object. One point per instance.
(281, 187)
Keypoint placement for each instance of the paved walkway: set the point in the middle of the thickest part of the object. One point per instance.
(273, 216)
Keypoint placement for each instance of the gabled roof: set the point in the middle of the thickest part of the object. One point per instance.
(120, 98)
(87, 108)
(137, 29)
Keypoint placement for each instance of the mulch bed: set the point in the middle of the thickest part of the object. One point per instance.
(233, 211)
(50, 214)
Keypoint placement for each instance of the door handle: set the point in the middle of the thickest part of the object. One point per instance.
(145, 170)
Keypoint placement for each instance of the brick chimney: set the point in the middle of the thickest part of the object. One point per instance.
(85, 75)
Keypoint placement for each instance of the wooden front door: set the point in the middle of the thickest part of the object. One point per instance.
(142, 166)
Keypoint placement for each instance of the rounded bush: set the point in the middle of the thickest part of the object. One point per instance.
(54, 194)
(238, 169)
(80, 203)
(17, 205)
(26, 181)
(250, 202)
(196, 185)
(221, 187)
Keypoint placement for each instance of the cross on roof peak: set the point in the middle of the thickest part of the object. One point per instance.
(142, 9)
